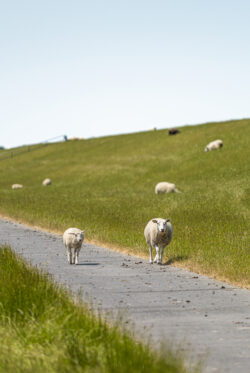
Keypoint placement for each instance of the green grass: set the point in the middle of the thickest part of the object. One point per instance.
(42, 329)
(106, 186)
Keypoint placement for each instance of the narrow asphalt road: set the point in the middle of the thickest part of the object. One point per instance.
(210, 318)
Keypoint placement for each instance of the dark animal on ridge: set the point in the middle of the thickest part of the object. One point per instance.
(173, 131)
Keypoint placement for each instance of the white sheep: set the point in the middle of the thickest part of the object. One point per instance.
(213, 145)
(17, 186)
(73, 138)
(165, 187)
(47, 182)
(158, 233)
(73, 239)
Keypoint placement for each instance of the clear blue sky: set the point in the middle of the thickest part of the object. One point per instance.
(93, 68)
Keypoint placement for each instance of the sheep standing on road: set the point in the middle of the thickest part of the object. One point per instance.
(165, 187)
(73, 239)
(158, 233)
(46, 182)
(216, 144)
(17, 186)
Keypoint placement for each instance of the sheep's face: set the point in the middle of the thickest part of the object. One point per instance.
(161, 225)
(77, 237)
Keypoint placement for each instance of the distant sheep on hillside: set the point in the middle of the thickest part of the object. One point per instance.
(173, 131)
(165, 187)
(17, 186)
(75, 138)
(46, 182)
(213, 145)
(154, 129)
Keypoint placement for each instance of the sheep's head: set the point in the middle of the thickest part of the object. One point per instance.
(77, 237)
(161, 224)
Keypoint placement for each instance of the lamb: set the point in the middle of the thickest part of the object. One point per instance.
(158, 233)
(46, 182)
(216, 144)
(73, 239)
(165, 187)
(17, 186)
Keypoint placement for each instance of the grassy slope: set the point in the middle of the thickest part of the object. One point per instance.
(106, 186)
(43, 330)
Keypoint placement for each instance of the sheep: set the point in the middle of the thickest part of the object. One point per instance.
(73, 138)
(158, 233)
(73, 239)
(173, 131)
(154, 129)
(46, 182)
(165, 187)
(17, 186)
(216, 144)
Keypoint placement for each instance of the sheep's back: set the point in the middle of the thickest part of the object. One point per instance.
(164, 187)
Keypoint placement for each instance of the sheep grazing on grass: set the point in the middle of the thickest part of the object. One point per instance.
(216, 144)
(154, 129)
(46, 182)
(165, 187)
(17, 186)
(158, 233)
(173, 131)
(73, 239)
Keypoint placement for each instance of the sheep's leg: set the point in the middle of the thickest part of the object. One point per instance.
(77, 256)
(161, 253)
(150, 255)
(69, 254)
(157, 257)
(73, 256)
(158, 254)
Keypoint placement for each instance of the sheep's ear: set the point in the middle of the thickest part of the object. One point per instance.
(168, 221)
(82, 231)
(154, 221)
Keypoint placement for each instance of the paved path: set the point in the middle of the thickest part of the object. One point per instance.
(211, 317)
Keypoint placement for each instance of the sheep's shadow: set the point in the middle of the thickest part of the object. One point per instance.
(88, 264)
(175, 258)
